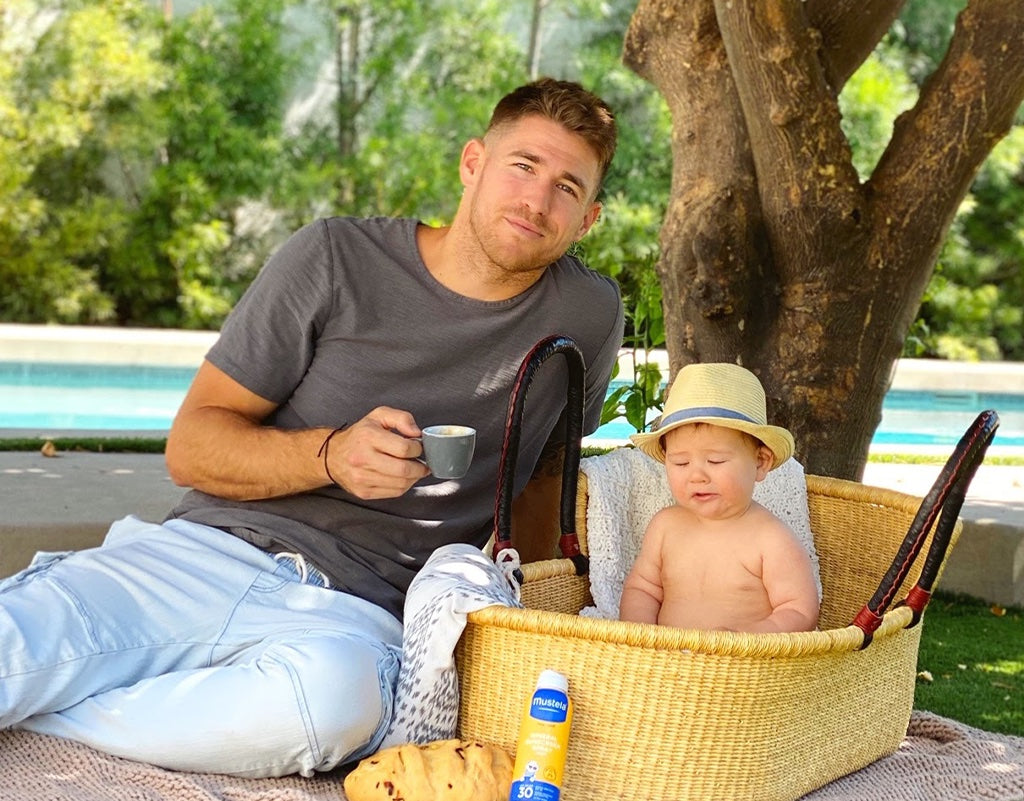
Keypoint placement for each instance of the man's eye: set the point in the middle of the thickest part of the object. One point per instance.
(568, 190)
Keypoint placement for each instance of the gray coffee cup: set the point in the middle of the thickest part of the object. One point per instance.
(448, 449)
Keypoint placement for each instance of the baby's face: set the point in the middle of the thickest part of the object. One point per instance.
(712, 470)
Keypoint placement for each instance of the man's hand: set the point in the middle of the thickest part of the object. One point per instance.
(377, 456)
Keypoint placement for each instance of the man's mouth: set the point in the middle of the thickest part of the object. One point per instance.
(525, 226)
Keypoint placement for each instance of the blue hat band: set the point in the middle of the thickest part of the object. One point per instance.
(705, 411)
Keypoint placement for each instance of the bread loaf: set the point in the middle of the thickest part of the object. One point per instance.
(446, 770)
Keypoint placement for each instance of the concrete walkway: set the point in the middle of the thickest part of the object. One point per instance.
(69, 501)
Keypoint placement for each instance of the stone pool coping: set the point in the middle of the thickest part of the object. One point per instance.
(177, 348)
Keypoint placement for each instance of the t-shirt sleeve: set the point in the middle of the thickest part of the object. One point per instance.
(599, 371)
(269, 339)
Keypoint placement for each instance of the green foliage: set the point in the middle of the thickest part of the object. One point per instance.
(69, 83)
(972, 309)
(623, 245)
(414, 81)
(870, 102)
(128, 147)
(218, 146)
(87, 444)
(922, 33)
(148, 167)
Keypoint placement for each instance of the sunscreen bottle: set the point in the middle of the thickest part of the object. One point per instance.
(543, 740)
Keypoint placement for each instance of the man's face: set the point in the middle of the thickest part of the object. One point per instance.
(531, 188)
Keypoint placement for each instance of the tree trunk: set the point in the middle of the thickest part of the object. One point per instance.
(774, 253)
(346, 59)
(534, 47)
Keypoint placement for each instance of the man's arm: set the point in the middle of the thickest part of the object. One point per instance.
(535, 529)
(219, 445)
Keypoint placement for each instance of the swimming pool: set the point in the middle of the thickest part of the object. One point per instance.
(53, 398)
(90, 397)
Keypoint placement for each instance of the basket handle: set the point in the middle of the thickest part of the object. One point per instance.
(944, 501)
(541, 352)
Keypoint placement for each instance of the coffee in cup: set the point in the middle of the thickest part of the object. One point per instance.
(448, 449)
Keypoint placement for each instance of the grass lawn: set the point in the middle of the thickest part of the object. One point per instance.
(90, 444)
(974, 655)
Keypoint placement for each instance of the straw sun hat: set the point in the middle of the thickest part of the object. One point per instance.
(720, 394)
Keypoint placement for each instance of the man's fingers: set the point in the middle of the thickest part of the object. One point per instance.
(375, 459)
(395, 420)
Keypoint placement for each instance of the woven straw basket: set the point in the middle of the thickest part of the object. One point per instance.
(673, 714)
(665, 714)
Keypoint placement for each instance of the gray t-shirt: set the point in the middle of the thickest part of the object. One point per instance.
(345, 317)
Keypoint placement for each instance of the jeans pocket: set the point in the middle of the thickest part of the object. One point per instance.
(41, 562)
(387, 674)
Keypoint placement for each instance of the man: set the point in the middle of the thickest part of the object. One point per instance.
(257, 630)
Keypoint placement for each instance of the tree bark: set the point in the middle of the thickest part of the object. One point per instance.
(774, 253)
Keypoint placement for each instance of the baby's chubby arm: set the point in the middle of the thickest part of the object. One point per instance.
(788, 577)
(643, 592)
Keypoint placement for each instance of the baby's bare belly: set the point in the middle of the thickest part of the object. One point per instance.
(732, 611)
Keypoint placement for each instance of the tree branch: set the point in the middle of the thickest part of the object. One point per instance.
(712, 231)
(849, 29)
(965, 108)
(805, 173)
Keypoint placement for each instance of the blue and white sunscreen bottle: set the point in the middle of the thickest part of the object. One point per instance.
(543, 741)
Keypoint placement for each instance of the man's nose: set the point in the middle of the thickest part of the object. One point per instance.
(537, 197)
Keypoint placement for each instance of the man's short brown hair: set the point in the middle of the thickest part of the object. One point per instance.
(571, 106)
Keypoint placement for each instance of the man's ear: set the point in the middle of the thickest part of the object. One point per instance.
(592, 216)
(471, 161)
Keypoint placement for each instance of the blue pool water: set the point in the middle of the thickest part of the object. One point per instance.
(915, 417)
(55, 397)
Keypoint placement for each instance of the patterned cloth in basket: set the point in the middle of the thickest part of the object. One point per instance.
(457, 579)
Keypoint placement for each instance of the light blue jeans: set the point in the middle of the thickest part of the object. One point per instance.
(183, 646)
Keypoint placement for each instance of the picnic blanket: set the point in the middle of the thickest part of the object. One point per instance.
(940, 760)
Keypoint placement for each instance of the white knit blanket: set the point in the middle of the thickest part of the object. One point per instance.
(626, 488)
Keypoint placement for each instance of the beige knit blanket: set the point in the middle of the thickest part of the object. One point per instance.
(940, 760)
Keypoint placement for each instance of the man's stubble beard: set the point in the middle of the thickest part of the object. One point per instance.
(510, 262)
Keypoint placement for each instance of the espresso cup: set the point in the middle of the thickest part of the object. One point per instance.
(448, 449)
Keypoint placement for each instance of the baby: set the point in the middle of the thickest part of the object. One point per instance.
(717, 559)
